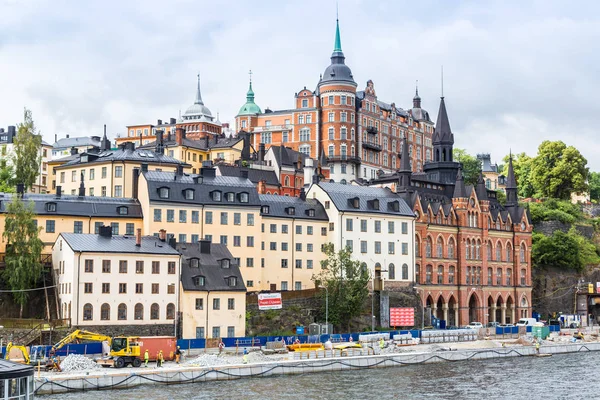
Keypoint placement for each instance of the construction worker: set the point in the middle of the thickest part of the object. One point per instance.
(161, 358)
(245, 358)
(177, 355)
(537, 347)
(157, 359)
(381, 343)
(146, 358)
(221, 346)
(350, 340)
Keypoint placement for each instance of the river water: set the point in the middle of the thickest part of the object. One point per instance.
(568, 376)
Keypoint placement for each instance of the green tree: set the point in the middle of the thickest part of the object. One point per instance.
(558, 170)
(501, 196)
(346, 282)
(471, 166)
(27, 157)
(563, 250)
(594, 183)
(7, 175)
(522, 170)
(23, 250)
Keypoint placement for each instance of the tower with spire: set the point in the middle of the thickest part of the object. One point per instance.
(198, 120)
(511, 185)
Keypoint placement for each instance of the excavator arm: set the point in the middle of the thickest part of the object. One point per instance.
(23, 349)
(82, 335)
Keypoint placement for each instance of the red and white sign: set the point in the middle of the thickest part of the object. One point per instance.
(402, 316)
(269, 301)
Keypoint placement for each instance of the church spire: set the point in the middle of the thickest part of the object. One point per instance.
(511, 185)
(198, 94)
(250, 107)
(443, 138)
(338, 41)
(417, 98)
(460, 190)
(405, 170)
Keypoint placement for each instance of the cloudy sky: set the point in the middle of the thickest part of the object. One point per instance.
(515, 72)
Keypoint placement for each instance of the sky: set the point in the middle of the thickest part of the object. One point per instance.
(515, 72)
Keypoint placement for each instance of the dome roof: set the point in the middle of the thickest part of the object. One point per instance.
(198, 109)
(250, 108)
(337, 71)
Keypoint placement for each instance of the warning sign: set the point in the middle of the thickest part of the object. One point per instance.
(269, 301)
(402, 316)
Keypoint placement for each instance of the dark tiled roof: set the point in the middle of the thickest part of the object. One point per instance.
(88, 206)
(286, 157)
(279, 207)
(200, 144)
(117, 244)
(342, 194)
(66, 143)
(255, 175)
(210, 268)
(361, 95)
(9, 369)
(137, 155)
(202, 190)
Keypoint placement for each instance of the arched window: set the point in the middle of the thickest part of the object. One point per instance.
(489, 251)
(122, 312)
(473, 255)
(417, 246)
(154, 311)
(523, 277)
(405, 272)
(104, 312)
(451, 247)
(498, 251)
(428, 272)
(439, 247)
(477, 250)
(170, 311)
(490, 276)
(499, 276)
(508, 277)
(88, 312)
(417, 273)
(428, 247)
(522, 251)
(468, 249)
(478, 276)
(508, 252)
(468, 275)
(287, 181)
(451, 272)
(440, 275)
(139, 312)
(391, 271)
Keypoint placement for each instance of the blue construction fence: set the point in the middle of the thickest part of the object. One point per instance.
(508, 330)
(84, 348)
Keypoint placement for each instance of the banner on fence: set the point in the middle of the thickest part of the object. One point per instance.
(269, 301)
(402, 316)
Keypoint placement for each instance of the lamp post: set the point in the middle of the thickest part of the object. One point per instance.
(422, 307)
(326, 307)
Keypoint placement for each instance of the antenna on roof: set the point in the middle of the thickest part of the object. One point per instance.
(250, 73)
(336, 11)
(442, 81)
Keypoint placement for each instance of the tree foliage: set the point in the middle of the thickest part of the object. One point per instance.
(501, 197)
(563, 250)
(522, 169)
(23, 249)
(471, 166)
(558, 170)
(27, 156)
(594, 184)
(7, 174)
(555, 210)
(346, 282)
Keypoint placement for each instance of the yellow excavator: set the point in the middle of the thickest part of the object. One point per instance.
(124, 350)
(24, 360)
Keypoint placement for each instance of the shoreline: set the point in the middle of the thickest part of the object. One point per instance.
(182, 374)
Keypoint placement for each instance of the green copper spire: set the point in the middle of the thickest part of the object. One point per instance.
(338, 41)
(250, 107)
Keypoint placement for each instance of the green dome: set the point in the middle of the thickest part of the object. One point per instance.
(250, 107)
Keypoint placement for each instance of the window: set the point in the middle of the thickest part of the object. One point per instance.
(284, 228)
(163, 193)
(508, 277)
(87, 312)
(498, 252)
(216, 195)
(170, 215)
(78, 227)
(208, 217)
(428, 247)
(392, 248)
(122, 288)
(250, 219)
(216, 304)
(350, 245)
(155, 288)
(154, 311)
(237, 218)
(199, 304)
(377, 247)
(118, 191)
(139, 267)
(89, 266)
(284, 285)
(106, 288)
(129, 227)
(103, 191)
(104, 312)
(230, 197)
(363, 246)
(122, 312)
(223, 239)
(170, 311)
(88, 287)
(405, 272)
(363, 225)
(198, 280)
(522, 251)
(224, 218)
(157, 215)
(405, 228)
(309, 247)
(237, 241)
(377, 226)
(115, 228)
(324, 231)
(299, 247)
(309, 264)
(439, 247)
(74, 176)
(106, 266)
(195, 217)
(189, 193)
(349, 222)
(428, 272)
(284, 246)
(182, 216)
(440, 275)
(305, 135)
(231, 304)
(50, 226)
(451, 248)
(284, 263)
(391, 226)
(216, 332)
(298, 229)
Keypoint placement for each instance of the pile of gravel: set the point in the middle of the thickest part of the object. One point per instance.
(77, 362)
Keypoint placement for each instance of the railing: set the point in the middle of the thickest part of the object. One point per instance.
(350, 159)
(372, 146)
(21, 323)
(372, 130)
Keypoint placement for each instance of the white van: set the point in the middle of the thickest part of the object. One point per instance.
(527, 322)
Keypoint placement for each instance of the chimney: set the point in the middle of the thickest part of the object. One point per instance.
(302, 194)
(179, 135)
(105, 231)
(207, 141)
(261, 152)
(144, 167)
(20, 190)
(138, 237)
(204, 246)
(216, 139)
(244, 173)
(159, 122)
(261, 187)
(179, 169)
(162, 235)
(67, 135)
(309, 170)
(81, 187)
(122, 146)
(73, 150)
(207, 170)
(160, 145)
(55, 137)
(172, 121)
(135, 183)
(173, 243)
(58, 191)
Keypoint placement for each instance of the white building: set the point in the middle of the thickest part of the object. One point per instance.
(117, 280)
(376, 224)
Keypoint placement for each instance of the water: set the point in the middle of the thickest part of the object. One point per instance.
(569, 376)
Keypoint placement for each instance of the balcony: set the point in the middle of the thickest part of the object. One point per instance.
(344, 158)
(371, 145)
(272, 128)
(372, 130)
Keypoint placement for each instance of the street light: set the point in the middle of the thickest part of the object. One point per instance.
(422, 307)
(326, 307)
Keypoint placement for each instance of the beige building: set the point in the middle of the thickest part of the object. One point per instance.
(213, 295)
(117, 280)
(109, 173)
